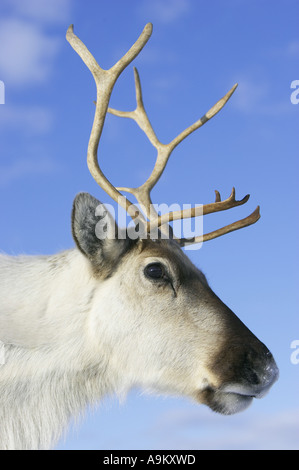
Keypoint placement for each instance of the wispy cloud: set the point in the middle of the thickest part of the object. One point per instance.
(28, 47)
(166, 11)
(286, 51)
(201, 429)
(25, 167)
(53, 11)
(249, 95)
(26, 53)
(255, 97)
(292, 49)
(27, 119)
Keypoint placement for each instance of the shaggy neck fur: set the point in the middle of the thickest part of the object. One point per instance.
(53, 366)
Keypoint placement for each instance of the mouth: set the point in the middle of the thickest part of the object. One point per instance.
(225, 402)
(235, 397)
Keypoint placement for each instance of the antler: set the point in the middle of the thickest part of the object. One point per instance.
(105, 81)
(142, 193)
(216, 206)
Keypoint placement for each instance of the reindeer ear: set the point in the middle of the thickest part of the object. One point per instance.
(96, 233)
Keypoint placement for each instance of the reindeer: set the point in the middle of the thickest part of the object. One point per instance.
(118, 311)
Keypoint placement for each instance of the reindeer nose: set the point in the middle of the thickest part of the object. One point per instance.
(266, 376)
(257, 373)
(260, 372)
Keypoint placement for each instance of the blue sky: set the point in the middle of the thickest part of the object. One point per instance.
(198, 50)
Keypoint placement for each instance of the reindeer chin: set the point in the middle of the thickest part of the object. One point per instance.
(226, 403)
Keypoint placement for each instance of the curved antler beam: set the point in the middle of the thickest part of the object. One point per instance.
(105, 81)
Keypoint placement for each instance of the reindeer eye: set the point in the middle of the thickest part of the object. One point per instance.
(154, 271)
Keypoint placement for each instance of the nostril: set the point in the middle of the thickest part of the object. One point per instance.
(267, 377)
(251, 373)
(259, 371)
(256, 385)
(251, 376)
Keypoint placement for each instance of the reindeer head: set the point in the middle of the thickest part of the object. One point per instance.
(164, 327)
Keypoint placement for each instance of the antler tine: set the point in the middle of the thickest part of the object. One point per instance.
(250, 220)
(105, 81)
(166, 149)
(139, 115)
(201, 210)
(216, 206)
